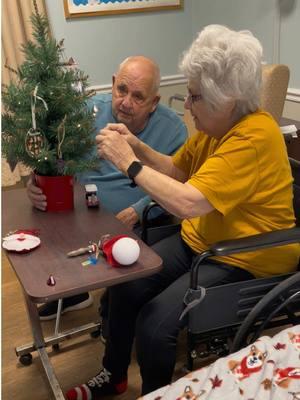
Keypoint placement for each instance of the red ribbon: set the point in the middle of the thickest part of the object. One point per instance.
(34, 232)
(107, 250)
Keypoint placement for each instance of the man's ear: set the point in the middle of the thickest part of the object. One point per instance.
(155, 102)
(113, 79)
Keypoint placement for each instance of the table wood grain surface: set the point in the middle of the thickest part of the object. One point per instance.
(60, 233)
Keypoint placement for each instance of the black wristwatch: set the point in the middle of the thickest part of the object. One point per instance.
(133, 170)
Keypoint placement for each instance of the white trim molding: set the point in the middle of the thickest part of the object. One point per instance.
(101, 88)
(173, 80)
(293, 95)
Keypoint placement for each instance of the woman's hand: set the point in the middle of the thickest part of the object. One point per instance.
(125, 132)
(113, 146)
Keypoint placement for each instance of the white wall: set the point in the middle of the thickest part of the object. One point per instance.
(275, 22)
(99, 43)
(289, 51)
(255, 15)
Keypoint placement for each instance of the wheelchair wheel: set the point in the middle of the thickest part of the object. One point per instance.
(260, 316)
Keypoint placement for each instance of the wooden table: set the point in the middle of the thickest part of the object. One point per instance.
(59, 234)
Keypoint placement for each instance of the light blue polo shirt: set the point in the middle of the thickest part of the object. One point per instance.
(164, 132)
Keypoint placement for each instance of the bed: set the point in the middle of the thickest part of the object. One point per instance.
(267, 369)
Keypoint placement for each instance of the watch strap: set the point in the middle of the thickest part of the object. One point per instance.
(133, 170)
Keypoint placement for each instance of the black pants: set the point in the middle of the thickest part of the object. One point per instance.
(148, 310)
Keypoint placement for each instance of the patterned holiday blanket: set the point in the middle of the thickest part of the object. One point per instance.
(267, 369)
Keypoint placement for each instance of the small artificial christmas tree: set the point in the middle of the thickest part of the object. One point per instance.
(46, 123)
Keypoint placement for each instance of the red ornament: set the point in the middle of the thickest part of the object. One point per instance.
(51, 281)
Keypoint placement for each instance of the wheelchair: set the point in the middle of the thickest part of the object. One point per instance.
(251, 306)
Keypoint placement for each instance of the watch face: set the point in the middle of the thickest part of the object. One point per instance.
(134, 169)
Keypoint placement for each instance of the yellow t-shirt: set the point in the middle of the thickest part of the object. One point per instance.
(246, 176)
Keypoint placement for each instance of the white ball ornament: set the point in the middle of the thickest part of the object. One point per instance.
(126, 251)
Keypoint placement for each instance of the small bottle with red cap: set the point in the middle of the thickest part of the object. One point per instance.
(91, 195)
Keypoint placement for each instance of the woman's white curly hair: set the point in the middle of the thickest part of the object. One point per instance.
(226, 66)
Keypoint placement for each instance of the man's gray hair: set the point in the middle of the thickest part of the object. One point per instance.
(226, 66)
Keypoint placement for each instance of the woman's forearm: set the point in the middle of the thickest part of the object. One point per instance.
(180, 199)
(157, 161)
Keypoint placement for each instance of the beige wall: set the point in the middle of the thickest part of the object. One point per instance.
(292, 110)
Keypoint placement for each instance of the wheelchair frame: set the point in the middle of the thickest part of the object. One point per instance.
(254, 303)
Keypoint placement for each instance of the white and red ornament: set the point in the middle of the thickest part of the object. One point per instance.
(126, 251)
(120, 250)
(21, 242)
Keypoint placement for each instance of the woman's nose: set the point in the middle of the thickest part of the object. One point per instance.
(187, 103)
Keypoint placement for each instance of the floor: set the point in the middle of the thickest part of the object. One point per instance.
(76, 361)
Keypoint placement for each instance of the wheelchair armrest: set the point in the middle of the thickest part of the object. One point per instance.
(145, 220)
(177, 97)
(256, 242)
(247, 244)
(146, 211)
(155, 229)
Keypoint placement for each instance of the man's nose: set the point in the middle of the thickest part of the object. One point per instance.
(127, 101)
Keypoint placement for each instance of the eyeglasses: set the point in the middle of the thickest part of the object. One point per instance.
(193, 98)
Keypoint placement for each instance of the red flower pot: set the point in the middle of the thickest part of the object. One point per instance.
(58, 190)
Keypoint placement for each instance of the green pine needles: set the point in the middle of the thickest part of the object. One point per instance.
(46, 123)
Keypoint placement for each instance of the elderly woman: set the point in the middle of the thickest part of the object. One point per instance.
(230, 180)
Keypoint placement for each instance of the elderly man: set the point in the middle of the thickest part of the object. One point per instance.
(135, 103)
(230, 180)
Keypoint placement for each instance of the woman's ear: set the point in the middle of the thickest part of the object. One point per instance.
(232, 106)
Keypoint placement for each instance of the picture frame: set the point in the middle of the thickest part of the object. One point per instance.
(92, 8)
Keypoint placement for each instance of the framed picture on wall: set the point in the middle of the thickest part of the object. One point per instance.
(91, 8)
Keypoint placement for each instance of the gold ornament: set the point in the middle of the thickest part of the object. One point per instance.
(35, 143)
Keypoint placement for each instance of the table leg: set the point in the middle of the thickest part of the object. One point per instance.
(56, 389)
(33, 315)
(39, 344)
(58, 315)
